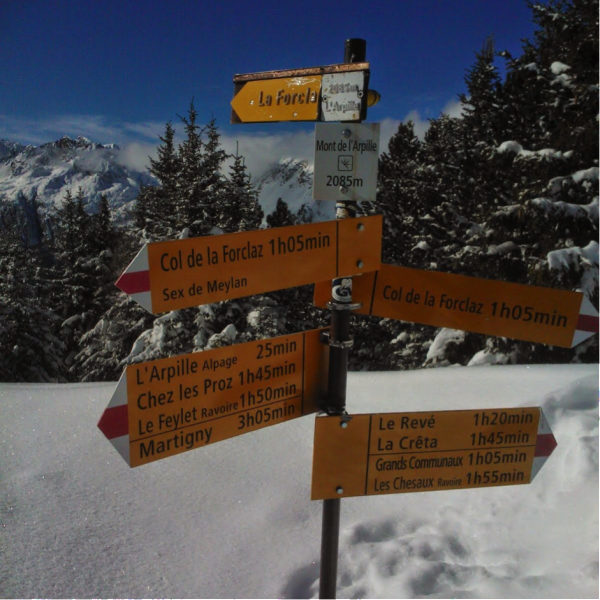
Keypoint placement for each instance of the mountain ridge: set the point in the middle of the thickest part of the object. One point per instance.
(51, 169)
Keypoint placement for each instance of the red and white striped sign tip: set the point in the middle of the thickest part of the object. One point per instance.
(587, 322)
(544, 446)
(135, 281)
(114, 422)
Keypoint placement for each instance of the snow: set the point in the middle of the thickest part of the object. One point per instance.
(570, 258)
(504, 248)
(484, 357)
(516, 148)
(291, 179)
(566, 208)
(563, 79)
(423, 245)
(557, 68)
(590, 174)
(234, 519)
(562, 259)
(509, 146)
(436, 354)
(52, 169)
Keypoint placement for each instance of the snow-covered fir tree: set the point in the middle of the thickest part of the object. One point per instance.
(30, 346)
(239, 208)
(155, 208)
(509, 191)
(203, 201)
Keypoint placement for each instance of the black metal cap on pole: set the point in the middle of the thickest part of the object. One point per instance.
(355, 50)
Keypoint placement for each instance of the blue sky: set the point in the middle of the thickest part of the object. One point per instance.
(118, 71)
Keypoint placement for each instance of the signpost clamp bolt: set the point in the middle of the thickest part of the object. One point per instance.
(338, 344)
(360, 227)
(339, 490)
(345, 419)
(340, 306)
(346, 133)
(343, 189)
(360, 264)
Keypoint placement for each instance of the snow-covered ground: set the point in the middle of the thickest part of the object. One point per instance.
(234, 519)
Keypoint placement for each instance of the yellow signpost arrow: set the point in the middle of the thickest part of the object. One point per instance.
(301, 94)
(165, 407)
(521, 312)
(178, 274)
(393, 453)
(272, 100)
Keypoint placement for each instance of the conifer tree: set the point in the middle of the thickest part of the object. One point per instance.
(30, 210)
(281, 216)
(167, 166)
(193, 208)
(158, 208)
(238, 208)
(30, 349)
(215, 191)
(402, 194)
(103, 227)
(506, 192)
(66, 227)
(304, 214)
(480, 106)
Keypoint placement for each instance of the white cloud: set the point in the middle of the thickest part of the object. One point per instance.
(39, 131)
(140, 140)
(454, 108)
(387, 129)
(150, 129)
(95, 127)
(389, 126)
(421, 125)
(135, 155)
(262, 150)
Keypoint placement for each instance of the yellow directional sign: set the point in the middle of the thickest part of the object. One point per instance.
(332, 92)
(522, 312)
(165, 407)
(394, 453)
(272, 100)
(182, 273)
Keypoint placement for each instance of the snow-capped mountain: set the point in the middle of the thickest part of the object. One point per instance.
(292, 180)
(7, 147)
(51, 169)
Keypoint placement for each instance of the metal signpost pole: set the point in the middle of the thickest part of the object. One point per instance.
(340, 341)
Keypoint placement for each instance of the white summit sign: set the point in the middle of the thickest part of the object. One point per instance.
(346, 160)
(342, 96)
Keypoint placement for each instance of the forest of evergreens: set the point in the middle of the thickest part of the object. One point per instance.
(508, 191)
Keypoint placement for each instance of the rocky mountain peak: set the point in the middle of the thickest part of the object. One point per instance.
(49, 170)
(9, 148)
